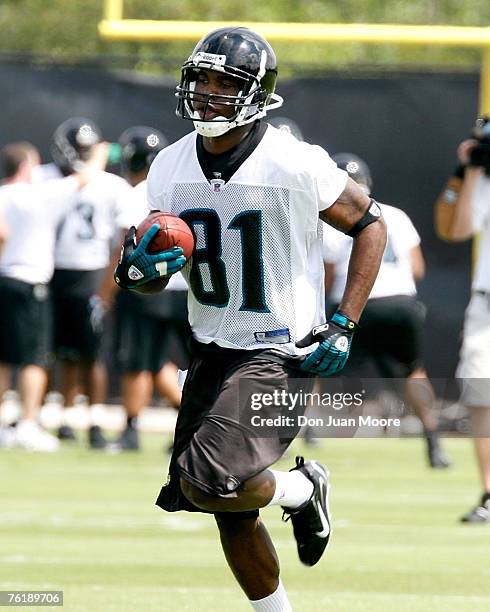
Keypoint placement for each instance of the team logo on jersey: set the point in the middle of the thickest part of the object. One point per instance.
(274, 336)
(217, 184)
(135, 274)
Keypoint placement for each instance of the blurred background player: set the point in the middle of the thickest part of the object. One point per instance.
(151, 330)
(83, 247)
(463, 211)
(391, 326)
(31, 213)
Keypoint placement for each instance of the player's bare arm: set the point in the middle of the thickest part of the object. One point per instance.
(453, 210)
(417, 262)
(351, 207)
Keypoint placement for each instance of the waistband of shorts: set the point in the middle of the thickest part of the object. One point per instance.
(199, 349)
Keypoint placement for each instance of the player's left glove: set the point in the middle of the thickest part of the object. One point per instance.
(136, 266)
(334, 341)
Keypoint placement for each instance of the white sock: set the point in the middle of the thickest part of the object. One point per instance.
(292, 489)
(96, 412)
(276, 602)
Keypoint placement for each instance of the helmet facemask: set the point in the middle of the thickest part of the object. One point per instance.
(251, 102)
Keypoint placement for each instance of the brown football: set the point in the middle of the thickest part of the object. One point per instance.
(174, 232)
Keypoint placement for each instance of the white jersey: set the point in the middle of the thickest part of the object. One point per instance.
(32, 213)
(135, 206)
(481, 225)
(256, 276)
(395, 275)
(94, 217)
(46, 172)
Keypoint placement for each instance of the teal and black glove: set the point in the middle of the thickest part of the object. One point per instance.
(136, 266)
(334, 341)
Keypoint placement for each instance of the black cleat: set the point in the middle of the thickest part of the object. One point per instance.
(65, 432)
(437, 457)
(312, 521)
(479, 514)
(96, 438)
(128, 441)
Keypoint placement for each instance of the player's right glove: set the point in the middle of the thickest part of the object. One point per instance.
(136, 266)
(334, 341)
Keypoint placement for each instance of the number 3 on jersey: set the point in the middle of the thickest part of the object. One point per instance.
(249, 224)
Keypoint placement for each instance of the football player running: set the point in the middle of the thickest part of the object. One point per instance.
(83, 247)
(254, 196)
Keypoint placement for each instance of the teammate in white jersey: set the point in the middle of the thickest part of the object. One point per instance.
(151, 331)
(31, 213)
(391, 331)
(462, 212)
(83, 247)
(255, 198)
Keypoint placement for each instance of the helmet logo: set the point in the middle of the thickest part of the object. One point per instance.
(86, 137)
(209, 58)
(352, 167)
(152, 140)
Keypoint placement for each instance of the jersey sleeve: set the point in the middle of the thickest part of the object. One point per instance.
(122, 210)
(408, 231)
(126, 216)
(58, 192)
(481, 204)
(155, 186)
(328, 180)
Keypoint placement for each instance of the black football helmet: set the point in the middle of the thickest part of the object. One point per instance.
(139, 147)
(72, 141)
(287, 125)
(356, 168)
(243, 55)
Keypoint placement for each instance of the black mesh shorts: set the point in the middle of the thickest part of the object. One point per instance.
(213, 450)
(390, 337)
(25, 328)
(75, 339)
(145, 339)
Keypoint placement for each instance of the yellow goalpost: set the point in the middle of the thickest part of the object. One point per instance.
(114, 27)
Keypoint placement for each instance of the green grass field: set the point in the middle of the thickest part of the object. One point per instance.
(85, 523)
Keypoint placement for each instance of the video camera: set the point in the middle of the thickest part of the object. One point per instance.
(480, 155)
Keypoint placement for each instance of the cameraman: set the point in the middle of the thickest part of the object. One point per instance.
(462, 212)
